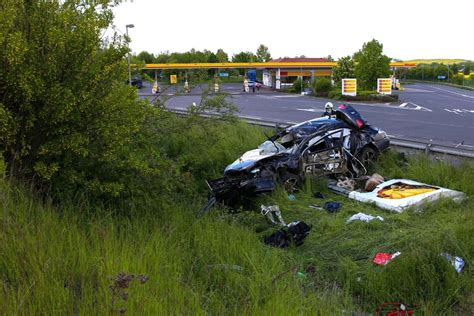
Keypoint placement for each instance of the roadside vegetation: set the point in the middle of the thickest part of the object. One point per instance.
(99, 194)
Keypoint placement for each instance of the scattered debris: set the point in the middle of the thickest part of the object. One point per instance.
(315, 206)
(225, 266)
(318, 195)
(399, 194)
(382, 258)
(291, 197)
(121, 282)
(294, 232)
(346, 183)
(270, 212)
(344, 145)
(332, 206)
(395, 309)
(373, 181)
(363, 217)
(456, 262)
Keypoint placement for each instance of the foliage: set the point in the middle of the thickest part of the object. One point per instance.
(70, 117)
(467, 69)
(370, 64)
(263, 54)
(344, 69)
(222, 56)
(299, 85)
(321, 86)
(244, 57)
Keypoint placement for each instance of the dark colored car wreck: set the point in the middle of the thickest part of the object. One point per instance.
(344, 145)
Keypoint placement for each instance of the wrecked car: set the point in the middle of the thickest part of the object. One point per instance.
(342, 145)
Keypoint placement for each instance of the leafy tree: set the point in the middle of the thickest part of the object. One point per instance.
(344, 69)
(67, 118)
(263, 54)
(370, 64)
(146, 57)
(244, 57)
(455, 68)
(222, 56)
(467, 68)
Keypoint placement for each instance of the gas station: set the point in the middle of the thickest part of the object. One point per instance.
(279, 72)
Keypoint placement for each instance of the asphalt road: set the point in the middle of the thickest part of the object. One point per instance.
(424, 112)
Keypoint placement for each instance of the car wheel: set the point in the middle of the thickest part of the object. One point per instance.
(368, 156)
(290, 182)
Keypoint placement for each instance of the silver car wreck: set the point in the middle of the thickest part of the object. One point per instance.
(342, 145)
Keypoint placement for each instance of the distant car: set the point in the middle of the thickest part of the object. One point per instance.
(344, 145)
(136, 83)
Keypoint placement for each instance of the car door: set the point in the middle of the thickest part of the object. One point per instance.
(324, 154)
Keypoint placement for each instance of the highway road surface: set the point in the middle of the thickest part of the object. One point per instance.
(425, 112)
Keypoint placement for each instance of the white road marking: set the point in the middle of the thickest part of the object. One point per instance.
(419, 107)
(456, 93)
(459, 111)
(310, 110)
(403, 105)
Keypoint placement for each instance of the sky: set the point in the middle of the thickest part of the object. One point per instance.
(408, 29)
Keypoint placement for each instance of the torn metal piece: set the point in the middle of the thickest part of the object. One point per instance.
(270, 212)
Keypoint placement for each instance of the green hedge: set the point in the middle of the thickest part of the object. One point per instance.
(363, 96)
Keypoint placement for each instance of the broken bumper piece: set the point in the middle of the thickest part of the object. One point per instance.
(247, 185)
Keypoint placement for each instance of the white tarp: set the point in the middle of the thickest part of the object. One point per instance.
(399, 205)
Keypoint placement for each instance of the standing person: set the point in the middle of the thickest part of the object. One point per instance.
(329, 110)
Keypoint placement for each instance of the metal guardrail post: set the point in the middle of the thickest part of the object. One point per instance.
(427, 149)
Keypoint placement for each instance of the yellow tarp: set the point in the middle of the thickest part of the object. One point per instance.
(401, 193)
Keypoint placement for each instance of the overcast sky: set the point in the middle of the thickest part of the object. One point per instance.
(408, 29)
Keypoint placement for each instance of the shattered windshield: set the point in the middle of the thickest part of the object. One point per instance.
(270, 148)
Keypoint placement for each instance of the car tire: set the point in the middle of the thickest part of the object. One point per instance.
(290, 182)
(368, 156)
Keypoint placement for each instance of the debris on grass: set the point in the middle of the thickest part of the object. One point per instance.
(456, 262)
(332, 206)
(294, 232)
(383, 258)
(271, 212)
(225, 267)
(363, 217)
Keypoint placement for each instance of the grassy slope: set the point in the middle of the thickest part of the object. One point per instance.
(440, 61)
(61, 260)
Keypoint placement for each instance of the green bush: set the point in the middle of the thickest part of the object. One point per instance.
(363, 96)
(297, 86)
(321, 86)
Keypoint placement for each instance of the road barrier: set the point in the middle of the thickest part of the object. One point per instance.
(455, 153)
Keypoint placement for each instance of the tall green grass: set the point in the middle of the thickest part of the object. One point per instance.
(63, 258)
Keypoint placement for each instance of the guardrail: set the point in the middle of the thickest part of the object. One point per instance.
(416, 146)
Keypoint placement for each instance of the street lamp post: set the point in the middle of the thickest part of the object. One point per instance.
(129, 26)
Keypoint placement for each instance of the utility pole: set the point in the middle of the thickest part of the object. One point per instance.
(129, 26)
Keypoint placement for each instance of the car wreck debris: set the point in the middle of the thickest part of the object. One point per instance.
(383, 258)
(294, 232)
(363, 217)
(342, 146)
(271, 212)
(332, 206)
(456, 262)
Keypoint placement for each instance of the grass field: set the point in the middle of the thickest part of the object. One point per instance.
(64, 259)
(439, 61)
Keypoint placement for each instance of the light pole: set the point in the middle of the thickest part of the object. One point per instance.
(129, 26)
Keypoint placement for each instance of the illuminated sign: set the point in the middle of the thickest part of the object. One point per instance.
(349, 87)
(173, 79)
(384, 86)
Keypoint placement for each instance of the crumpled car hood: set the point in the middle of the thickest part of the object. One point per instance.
(247, 160)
